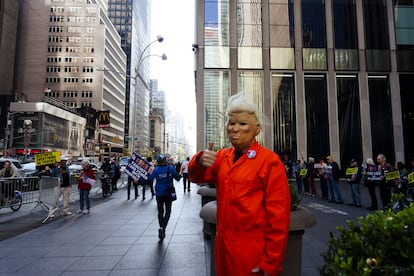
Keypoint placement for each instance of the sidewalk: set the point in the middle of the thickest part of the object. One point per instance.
(119, 237)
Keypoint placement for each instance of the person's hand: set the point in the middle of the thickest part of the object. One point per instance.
(257, 270)
(208, 157)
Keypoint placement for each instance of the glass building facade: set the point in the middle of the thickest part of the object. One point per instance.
(331, 77)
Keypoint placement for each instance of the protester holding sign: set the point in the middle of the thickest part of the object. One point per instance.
(411, 180)
(353, 174)
(385, 185)
(372, 177)
(86, 180)
(403, 179)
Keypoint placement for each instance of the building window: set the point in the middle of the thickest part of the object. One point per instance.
(53, 69)
(88, 59)
(90, 30)
(88, 50)
(284, 114)
(88, 69)
(407, 110)
(376, 35)
(349, 119)
(251, 83)
(54, 59)
(71, 69)
(54, 49)
(52, 80)
(216, 34)
(86, 94)
(314, 35)
(381, 116)
(56, 29)
(70, 79)
(56, 39)
(52, 94)
(87, 80)
(317, 123)
(72, 49)
(89, 104)
(282, 35)
(73, 39)
(216, 93)
(56, 18)
(249, 34)
(70, 94)
(404, 33)
(345, 35)
(89, 39)
(57, 9)
(72, 29)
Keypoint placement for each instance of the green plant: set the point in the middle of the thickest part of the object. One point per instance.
(382, 243)
(294, 198)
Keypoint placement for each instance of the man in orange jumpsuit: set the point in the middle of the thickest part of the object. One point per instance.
(253, 199)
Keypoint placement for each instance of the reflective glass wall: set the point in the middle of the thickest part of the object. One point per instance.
(216, 93)
(249, 34)
(282, 34)
(376, 35)
(250, 83)
(349, 119)
(407, 109)
(381, 116)
(216, 34)
(284, 115)
(345, 35)
(314, 35)
(404, 34)
(317, 123)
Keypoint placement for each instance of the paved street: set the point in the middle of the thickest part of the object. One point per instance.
(119, 237)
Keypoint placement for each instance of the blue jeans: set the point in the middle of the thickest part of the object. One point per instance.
(334, 188)
(84, 196)
(355, 194)
(299, 183)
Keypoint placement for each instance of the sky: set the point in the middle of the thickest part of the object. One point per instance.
(175, 23)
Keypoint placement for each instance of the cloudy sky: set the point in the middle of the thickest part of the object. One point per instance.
(175, 22)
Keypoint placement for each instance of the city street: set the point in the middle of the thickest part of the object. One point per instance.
(119, 237)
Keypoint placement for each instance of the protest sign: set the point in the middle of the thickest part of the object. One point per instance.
(411, 178)
(374, 176)
(138, 167)
(47, 158)
(392, 175)
(351, 171)
(303, 172)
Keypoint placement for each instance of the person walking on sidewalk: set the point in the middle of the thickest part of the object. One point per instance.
(164, 174)
(61, 171)
(253, 200)
(184, 173)
(86, 179)
(132, 182)
(332, 174)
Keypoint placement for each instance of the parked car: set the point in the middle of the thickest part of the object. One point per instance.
(76, 167)
(15, 164)
(123, 162)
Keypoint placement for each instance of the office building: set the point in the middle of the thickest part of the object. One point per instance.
(70, 51)
(132, 20)
(329, 76)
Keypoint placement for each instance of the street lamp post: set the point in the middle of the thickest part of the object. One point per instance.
(7, 131)
(137, 75)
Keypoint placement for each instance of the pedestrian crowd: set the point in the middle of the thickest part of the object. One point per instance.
(370, 174)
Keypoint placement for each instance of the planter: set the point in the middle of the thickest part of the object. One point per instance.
(300, 219)
(207, 194)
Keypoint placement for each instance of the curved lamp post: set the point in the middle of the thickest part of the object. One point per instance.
(140, 60)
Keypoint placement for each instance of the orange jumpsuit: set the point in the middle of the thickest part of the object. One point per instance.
(253, 209)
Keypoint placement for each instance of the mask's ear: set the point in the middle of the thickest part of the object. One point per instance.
(258, 128)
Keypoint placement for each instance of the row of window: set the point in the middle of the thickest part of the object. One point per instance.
(71, 29)
(69, 94)
(52, 59)
(68, 80)
(73, 19)
(70, 49)
(72, 39)
(61, 9)
(69, 69)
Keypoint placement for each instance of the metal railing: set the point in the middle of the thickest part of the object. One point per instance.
(27, 186)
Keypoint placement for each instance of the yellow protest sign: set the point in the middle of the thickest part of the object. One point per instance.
(411, 178)
(47, 158)
(351, 171)
(303, 172)
(392, 175)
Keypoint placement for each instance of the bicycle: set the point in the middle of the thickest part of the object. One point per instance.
(14, 203)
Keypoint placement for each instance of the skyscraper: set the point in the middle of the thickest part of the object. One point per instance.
(61, 50)
(329, 76)
(132, 20)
